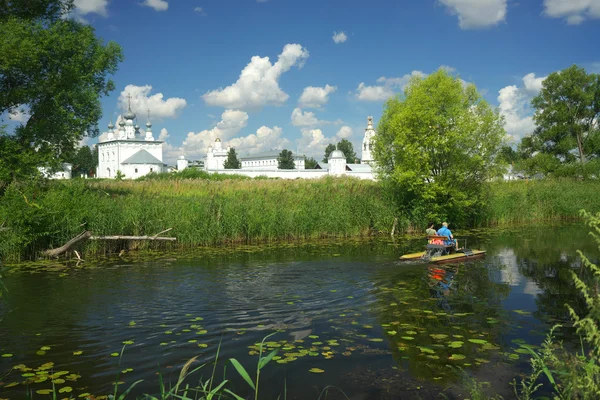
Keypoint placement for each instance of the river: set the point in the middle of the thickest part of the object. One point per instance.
(347, 314)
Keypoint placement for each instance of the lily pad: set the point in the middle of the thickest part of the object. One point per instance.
(66, 389)
(375, 340)
(457, 357)
(7, 355)
(114, 354)
(456, 344)
(426, 350)
(438, 336)
(44, 391)
(408, 338)
(478, 341)
(77, 353)
(316, 370)
(128, 342)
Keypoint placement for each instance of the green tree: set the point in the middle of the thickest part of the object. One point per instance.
(232, 161)
(437, 146)
(55, 69)
(345, 146)
(310, 163)
(84, 161)
(286, 160)
(328, 150)
(567, 113)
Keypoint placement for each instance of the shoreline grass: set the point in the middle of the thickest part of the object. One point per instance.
(36, 216)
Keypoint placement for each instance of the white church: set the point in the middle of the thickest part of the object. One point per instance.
(124, 151)
(266, 164)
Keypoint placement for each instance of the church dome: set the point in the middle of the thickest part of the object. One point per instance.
(122, 123)
(218, 140)
(148, 124)
(129, 114)
(182, 157)
(110, 125)
(137, 127)
(337, 154)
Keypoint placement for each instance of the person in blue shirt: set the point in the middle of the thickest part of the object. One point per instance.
(444, 231)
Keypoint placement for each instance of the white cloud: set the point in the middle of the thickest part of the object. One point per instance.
(315, 97)
(19, 114)
(304, 118)
(339, 37)
(514, 106)
(157, 5)
(163, 135)
(141, 101)
(574, 11)
(84, 7)
(258, 83)
(388, 87)
(313, 141)
(477, 14)
(200, 10)
(232, 122)
(344, 133)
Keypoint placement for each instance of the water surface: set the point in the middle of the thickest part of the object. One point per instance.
(377, 328)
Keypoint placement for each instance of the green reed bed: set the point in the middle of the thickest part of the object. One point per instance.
(518, 202)
(201, 212)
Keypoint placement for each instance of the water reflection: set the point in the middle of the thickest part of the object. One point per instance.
(348, 308)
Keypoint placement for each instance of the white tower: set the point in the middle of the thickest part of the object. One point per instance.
(182, 163)
(337, 163)
(149, 136)
(367, 145)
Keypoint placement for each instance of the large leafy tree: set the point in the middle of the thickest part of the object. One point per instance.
(54, 69)
(328, 150)
(437, 146)
(84, 161)
(286, 160)
(232, 161)
(310, 163)
(567, 115)
(345, 146)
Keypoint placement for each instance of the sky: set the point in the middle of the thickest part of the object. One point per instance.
(274, 74)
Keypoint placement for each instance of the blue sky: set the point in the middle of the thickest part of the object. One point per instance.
(183, 59)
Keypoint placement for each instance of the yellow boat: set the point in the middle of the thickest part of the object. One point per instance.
(439, 253)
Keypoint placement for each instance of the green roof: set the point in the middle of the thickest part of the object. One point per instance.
(142, 157)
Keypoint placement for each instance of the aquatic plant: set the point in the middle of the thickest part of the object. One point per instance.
(572, 375)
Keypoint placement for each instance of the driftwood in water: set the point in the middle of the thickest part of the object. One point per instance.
(69, 245)
(131, 238)
(88, 235)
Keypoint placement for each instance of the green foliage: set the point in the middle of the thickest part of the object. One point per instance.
(572, 375)
(310, 163)
(345, 146)
(201, 211)
(119, 175)
(517, 202)
(328, 150)
(191, 173)
(436, 147)
(286, 160)
(232, 161)
(567, 112)
(84, 161)
(55, 69)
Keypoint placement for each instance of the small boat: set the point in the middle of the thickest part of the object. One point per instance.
(438, 252)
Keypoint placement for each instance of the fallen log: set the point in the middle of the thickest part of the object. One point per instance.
(87, 235)
(131, 238)
(67, 246)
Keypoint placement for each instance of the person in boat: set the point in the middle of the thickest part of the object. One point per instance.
(430, 230)
(444, 231)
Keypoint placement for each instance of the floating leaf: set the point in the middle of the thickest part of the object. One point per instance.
(59, 381)
(438, 336)
(455, 344)
(426, 350)
(132, 323)
(202, 332)
(40, 352)
(7, 355)
(168, 332)
(114, 354)
(411, 332)
(163, 344)
(392, 332)
(522, 312)
(128, 342)
(522, 351)
(478, 341)
(375, 340)
(457, 357)
(316, 370)
(66, 389)
(408, 338)
(77, 353)
(84, 395)
(313, 336)
(202, 345)
(12, 384)
(44, 391)
(45, 348)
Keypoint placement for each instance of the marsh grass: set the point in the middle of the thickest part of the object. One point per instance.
(201, 212)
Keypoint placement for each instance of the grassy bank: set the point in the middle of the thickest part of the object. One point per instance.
(201, 212)
(518, 202)
(42, 215)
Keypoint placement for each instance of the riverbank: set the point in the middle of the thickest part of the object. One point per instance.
(209, 212)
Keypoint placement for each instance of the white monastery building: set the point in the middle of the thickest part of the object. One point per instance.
(266, 164)
(127, 152)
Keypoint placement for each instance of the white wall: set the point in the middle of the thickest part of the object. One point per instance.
(292, 173)
(133, 171)
(112, 154)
